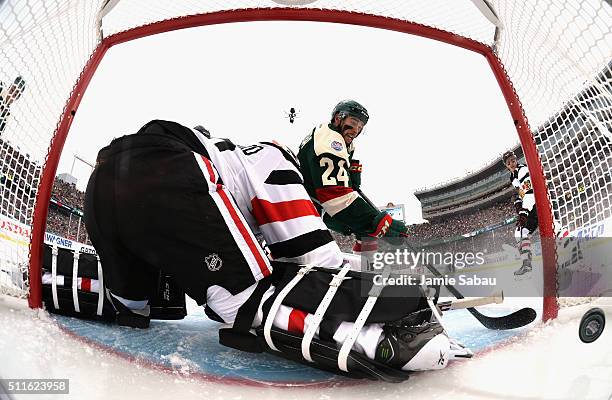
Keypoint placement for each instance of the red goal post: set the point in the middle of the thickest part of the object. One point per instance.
(526, 46)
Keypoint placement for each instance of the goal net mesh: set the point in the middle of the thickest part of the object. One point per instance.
(556, 53)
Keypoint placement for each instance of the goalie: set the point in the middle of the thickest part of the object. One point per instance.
(171, 199)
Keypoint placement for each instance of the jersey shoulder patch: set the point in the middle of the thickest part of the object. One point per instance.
(329, 141)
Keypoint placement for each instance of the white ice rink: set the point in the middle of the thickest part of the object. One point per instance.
(548, 362)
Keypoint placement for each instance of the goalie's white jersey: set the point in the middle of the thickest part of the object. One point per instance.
(267, 186)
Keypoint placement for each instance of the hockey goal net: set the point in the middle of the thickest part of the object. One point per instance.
(551, 59)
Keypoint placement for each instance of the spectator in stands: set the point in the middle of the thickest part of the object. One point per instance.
(68, 194)
(9, 95)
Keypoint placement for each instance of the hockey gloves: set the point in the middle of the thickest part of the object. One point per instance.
(355, 171)
(386, 226)
(398, 229)
(336, 226)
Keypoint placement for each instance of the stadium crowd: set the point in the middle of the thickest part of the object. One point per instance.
(67, 193)
(458, 225)
(70, 225)
(16, 182)
(62, 222)
(464, 223)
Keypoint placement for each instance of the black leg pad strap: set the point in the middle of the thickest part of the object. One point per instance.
(126, 317)
(239, 336)
(243, 341)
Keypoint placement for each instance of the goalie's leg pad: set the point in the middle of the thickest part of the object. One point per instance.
(395, 302)
(73, 284)
(351, 296)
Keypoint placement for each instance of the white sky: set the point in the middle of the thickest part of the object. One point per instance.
(435, 110)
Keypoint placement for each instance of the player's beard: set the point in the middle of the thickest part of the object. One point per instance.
(345, 135)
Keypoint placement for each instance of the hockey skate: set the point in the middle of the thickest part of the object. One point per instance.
(524, 271)
(419, 347)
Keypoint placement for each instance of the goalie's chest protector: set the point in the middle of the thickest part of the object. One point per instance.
(267, 186)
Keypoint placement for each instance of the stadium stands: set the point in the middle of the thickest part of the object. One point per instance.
(65, 216)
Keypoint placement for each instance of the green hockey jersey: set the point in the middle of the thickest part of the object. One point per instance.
(326, 164)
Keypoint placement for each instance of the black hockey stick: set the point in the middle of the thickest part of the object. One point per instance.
(515, 320)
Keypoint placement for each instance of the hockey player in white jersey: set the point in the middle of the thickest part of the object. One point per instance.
(172, 199)
(527, 216)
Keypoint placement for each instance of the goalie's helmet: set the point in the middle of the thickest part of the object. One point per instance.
(351, 108)
(202, 130)
(507, 155)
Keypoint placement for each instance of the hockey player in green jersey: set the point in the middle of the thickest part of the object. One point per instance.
(332, 177)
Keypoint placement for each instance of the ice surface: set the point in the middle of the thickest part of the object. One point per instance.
(544, 362)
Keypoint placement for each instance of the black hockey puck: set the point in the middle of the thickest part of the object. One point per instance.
(592, 325)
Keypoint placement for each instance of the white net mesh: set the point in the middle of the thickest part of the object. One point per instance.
(459, 16)
(46, 44)
(556, 53)
(558, 56)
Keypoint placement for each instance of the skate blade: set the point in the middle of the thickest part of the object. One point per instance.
(524, 277)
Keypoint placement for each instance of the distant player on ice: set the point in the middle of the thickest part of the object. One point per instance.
(527, 220)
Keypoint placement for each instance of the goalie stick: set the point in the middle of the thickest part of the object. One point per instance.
(517, 319)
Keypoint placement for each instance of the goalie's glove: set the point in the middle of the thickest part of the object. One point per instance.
(385, 226)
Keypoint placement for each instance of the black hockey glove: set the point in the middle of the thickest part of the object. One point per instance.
(398, 229)
(355, 171)
(388, 227)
